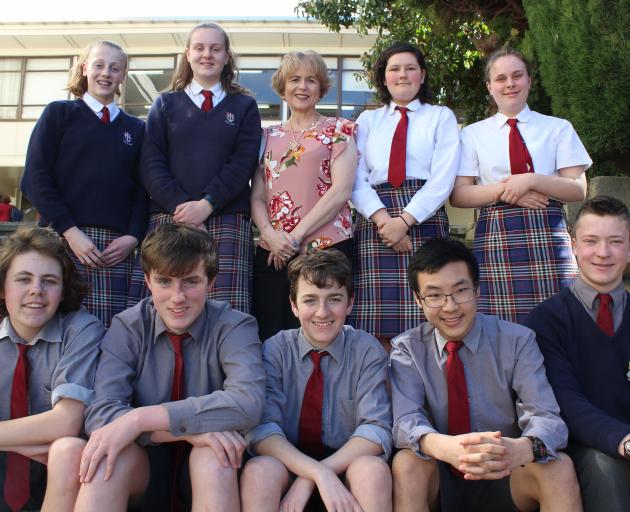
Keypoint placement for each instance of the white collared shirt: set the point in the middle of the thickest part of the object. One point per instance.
(432, 155)
(97, 106)
(193, 89)
(551, 141)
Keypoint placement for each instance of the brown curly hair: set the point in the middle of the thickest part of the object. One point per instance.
(47, 243)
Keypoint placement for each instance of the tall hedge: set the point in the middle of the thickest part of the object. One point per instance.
(583, 52)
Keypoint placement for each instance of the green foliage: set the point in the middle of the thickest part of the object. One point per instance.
(583, 50)
(580, 50)
(448, 43)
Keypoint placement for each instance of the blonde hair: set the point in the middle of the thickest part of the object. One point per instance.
(292, 61)
(183, 74)
(77, 84)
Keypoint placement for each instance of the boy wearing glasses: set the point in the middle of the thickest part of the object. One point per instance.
(474, 415)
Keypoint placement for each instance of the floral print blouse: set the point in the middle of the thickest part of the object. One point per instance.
(298, 175)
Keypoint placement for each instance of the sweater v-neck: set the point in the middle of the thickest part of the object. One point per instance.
(112, 123)
(592, 324)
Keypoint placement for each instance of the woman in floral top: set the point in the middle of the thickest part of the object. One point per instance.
(300, 196)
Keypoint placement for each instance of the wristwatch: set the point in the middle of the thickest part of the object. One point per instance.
(538, 448)
(626, 449)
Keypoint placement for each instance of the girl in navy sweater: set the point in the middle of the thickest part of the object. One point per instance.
(199, 154)
(81, 176)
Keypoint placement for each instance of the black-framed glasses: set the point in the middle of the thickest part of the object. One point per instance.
(437, 300)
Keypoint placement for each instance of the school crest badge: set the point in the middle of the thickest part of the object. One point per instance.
(127, 139)
(229, 118)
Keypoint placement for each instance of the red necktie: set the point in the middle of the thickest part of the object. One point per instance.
(17, 481)
(398, 152)
(604, 314)
(310, 428)
(177, 388)
(520, 159)
(207, 101)
(105, 118)
(177, 393)
(458, 409)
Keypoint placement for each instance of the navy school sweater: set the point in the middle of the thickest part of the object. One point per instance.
(81, 172)
(586, 369)
(188, 153)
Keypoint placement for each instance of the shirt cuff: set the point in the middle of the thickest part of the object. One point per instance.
(257, 434)
(371, 207)
(377, 435)
(411, 439)
(180, 414)
(74, 391)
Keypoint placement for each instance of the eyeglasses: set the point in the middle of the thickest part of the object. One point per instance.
(437, 300)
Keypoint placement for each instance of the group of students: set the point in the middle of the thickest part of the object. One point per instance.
(102, 179)
(182, 409)
(468, 390)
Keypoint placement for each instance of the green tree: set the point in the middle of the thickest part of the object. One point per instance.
(583, 50)
(452, 42)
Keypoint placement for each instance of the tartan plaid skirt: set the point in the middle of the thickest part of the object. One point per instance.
(232, 234)
(383, 302)
(108, 286)
(524, 258)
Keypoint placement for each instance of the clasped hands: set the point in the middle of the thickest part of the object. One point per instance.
(517, 190)
(487, 455)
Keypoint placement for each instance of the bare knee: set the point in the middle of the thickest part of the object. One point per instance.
(407, 466)
(415, 482)
(370, 482)
(262, 471)
(369, 469)
(64, 457)
(263, 480)
(204, 464)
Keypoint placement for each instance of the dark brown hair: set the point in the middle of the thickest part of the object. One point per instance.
(183, 75)
(176, 249)
(435, 255)
(378, 72)
(47, 243)
(603, 206)
(321, 268)
(77, 84)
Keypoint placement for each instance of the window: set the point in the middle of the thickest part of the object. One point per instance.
(10, 76)
(146, 78)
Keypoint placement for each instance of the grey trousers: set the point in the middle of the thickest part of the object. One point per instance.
(604, 480)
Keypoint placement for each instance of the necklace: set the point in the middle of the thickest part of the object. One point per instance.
(295, 145)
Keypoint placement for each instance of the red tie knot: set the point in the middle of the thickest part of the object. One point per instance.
(403, 111)
(317, 356)
(512, 122)
(177, 340)
(105, 117)
(604, 298)
(23, 348)
(453, 346)
(206, 94)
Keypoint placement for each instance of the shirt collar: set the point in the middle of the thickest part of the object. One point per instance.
(471, 340)
(195, 330)
(96, 106)
(413, 106)
(196, 88)
(523, 117)
(335, 349)
(51, 332)
(588, 294)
